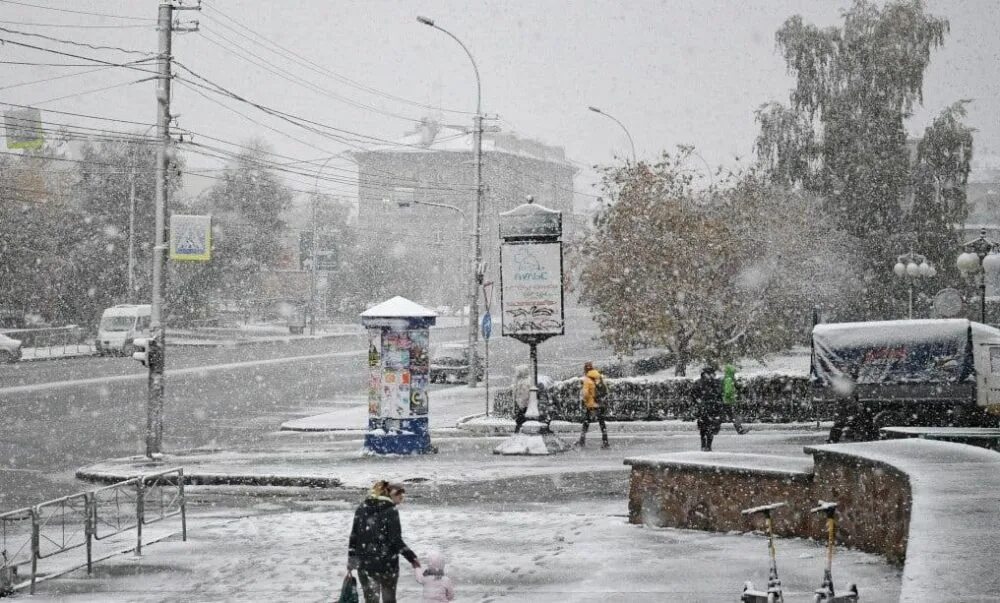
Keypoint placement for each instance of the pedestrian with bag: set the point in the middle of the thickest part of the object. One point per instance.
(376, 543)
(706, 395)
(437, 587)
(593, 395)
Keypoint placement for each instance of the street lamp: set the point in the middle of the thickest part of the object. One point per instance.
(402, 204)
(312, 249)
(912, 266)
(980, 256)
(612, 117)
(477, 268)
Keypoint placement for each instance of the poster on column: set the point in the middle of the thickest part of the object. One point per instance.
(396, 375)
(419, 371)
(374, 372)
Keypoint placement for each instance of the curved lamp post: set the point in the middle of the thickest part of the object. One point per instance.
(443, 205)
(312, 251)
(980, 256)
(477, 268)
(612, 117)
(913, 266)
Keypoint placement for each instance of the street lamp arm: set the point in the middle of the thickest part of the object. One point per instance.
(444, 205)
(475, 68)
(614, 119)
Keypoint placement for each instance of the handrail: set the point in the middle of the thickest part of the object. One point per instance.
(55, 529)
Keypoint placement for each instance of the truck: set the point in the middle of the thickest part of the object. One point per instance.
(928, 373)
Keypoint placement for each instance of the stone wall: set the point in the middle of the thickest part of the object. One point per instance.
(706, 498)
(687, 492)
(874, 503)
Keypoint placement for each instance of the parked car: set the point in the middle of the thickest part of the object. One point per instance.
(449, 363)
(10, 349)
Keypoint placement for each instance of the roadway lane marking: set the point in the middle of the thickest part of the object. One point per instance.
(37, 387)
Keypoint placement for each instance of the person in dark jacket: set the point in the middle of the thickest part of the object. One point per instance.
(377, 541)
(708, 408)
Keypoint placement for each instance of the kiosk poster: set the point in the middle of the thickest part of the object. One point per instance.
(419, 371)
(531, 289)
(374, 373)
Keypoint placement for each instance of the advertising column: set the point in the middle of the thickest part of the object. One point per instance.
(398, 377)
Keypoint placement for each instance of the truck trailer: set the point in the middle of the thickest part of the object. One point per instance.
(934, 373)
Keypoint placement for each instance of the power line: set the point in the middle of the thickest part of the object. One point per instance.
(77, 12)
(71, 42)
(74, 95)
(97, 117)
(75, 56)
(301, 81)
(58, 77)
(312, 66)
(218, 89)
(73, 26)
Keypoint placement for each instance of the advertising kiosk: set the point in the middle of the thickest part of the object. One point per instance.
(398, 377)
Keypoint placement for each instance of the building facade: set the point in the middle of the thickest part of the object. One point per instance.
(419, 197)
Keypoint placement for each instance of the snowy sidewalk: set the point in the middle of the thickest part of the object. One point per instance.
(578, 551)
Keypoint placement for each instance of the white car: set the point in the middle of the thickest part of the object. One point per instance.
(10, 349)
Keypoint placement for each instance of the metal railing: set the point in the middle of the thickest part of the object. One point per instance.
(52, 341)
(35, 533)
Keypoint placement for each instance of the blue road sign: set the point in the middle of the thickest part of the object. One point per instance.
(487, 325)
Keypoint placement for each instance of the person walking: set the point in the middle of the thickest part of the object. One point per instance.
(437, 587)
(593, 395)
(729, 398)
(521, 389)
(377, 541)
(707, 398)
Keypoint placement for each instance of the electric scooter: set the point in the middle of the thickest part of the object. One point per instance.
(773, 592)
(825, 593)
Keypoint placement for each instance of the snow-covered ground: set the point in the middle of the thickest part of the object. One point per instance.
(576, 550)
(512, 528)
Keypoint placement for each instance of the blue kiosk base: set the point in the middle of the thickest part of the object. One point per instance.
(398, 436)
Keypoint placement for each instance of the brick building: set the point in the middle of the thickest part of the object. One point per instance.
(436, 165)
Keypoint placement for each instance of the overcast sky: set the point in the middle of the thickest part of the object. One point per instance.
(672, 71)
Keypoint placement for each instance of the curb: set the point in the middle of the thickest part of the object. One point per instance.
(216, 479)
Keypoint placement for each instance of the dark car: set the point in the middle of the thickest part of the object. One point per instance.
(449, 363)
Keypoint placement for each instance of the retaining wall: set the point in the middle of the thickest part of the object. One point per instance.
(932, 506)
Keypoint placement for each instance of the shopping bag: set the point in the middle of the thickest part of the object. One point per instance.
(349, 591)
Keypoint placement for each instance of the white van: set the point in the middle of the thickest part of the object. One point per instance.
(120, 325)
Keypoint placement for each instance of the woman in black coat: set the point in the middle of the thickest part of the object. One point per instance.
(376, 543)
(708, 408)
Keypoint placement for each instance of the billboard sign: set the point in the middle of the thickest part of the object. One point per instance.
(531, 291)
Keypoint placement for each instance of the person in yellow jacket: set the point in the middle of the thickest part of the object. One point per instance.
(592, 394)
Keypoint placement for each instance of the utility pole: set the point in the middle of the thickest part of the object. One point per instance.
(156, 349)
(312, 270)
(477, 244)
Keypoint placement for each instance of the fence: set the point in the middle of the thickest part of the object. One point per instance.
(32, 534)
(53, 341)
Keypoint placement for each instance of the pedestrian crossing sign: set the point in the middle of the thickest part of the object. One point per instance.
(191, 238)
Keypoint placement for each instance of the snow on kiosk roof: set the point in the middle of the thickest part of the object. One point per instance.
(398, 312)
(900, 332)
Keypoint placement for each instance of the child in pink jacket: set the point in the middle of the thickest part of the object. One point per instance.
(437, 586)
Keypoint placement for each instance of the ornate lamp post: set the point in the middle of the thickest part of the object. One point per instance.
(912, 266)
(980, 256)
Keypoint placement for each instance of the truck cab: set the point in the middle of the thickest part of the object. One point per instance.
(120, 326)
